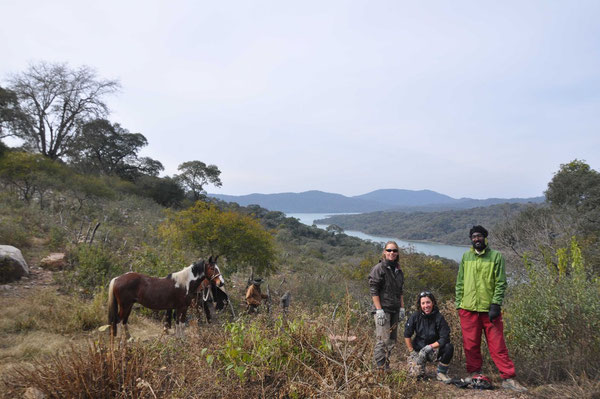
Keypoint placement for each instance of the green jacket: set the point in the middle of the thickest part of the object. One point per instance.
(481, 280)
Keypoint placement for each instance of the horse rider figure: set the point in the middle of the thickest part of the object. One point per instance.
(254, 296)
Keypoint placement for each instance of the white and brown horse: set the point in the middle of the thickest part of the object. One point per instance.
(172, 292)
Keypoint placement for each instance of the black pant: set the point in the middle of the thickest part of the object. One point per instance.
(445, 353)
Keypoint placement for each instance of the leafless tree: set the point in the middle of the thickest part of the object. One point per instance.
(56, 100)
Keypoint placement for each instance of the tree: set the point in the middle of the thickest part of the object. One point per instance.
(164, 191)
(206, 229)
(11, 116)
(334, 229)
(575, 185)
(29, 174)
(195, 175)
(102, 147)
(56, 101)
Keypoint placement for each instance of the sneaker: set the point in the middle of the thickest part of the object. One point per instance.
(443, 377)
(511, 383)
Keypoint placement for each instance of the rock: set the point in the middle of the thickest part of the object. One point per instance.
(12, 264)
(33, 393)
(54, 261)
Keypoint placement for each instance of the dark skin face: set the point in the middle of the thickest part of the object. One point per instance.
(478, 241)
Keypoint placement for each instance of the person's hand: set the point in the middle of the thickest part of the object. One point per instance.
(424, 353)
(380, 316)
(427, 349)
(494, 311)
(402, 313)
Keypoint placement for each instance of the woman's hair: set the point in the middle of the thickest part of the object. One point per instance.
(424, 294)
(386, 244)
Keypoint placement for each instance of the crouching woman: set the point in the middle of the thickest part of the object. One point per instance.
(431, 341)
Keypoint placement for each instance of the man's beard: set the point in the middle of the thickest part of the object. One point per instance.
(479, 245)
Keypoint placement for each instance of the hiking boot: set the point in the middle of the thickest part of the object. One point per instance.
(511, 383)
(443, 377)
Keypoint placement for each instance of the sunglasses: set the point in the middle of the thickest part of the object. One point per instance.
(425, 293)
(391, 250)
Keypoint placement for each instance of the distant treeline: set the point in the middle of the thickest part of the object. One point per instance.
(448, 227)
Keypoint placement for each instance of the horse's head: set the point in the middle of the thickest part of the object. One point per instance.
(213, 274)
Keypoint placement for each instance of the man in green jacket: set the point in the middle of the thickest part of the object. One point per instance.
(480, 288)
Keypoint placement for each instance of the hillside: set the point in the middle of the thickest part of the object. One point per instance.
(448, 227)
(378, 200)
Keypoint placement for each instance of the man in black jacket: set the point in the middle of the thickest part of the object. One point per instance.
(386, 282)
(431, 338)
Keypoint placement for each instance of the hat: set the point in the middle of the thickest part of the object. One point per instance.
(257, 281)
(478, 229)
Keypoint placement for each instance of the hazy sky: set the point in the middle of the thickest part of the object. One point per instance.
(467, 98)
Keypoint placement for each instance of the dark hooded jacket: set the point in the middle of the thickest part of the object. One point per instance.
(428, 328)
(386, 281)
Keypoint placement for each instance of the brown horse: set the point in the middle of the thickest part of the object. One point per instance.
(173, 292)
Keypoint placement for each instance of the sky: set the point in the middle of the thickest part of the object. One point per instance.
(467, 98)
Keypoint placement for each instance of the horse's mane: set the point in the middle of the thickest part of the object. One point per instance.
(184, 277)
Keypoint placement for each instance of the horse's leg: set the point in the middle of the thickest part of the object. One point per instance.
(183, 320)
(124, 314)
(207, 311)
(168, 318)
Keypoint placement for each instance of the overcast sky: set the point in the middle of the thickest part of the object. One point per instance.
(468, 98)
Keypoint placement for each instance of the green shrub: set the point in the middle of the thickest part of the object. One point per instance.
(95, 265)
(12, 232)
(552, 321)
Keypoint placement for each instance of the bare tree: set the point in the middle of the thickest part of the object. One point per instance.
(56, 100)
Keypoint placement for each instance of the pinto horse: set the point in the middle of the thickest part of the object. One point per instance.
(172, 292)
(208, 291)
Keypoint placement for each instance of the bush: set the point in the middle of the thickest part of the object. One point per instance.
(94, 266)
(552, 322)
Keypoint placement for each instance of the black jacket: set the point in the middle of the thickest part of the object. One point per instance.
(386, 282)
(427, 329)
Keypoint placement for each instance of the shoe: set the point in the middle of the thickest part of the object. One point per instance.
(443, 377)
(511, 383)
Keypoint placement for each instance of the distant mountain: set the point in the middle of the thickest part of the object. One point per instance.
(379, 200)
(399, 197)
(308, 202)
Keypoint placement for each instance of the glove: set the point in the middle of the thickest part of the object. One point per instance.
(402, 313)
(380, 316)
(424, 354)
(494, 311)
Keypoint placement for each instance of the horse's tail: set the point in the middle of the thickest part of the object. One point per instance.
(113, 307)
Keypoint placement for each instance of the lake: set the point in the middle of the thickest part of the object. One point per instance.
(453, 252)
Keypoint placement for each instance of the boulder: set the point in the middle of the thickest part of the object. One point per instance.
(54, 261)
(12, 264)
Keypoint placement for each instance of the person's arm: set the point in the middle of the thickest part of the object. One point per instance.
(459, 285)
(409, 344)
(443, 331)
(500, 277)
(376, 302)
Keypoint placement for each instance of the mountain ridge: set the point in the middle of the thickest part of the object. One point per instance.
(316, 201)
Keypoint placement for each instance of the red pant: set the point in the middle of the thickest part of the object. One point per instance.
(472, 323)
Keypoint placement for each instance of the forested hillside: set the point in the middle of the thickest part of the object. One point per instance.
(448, 227)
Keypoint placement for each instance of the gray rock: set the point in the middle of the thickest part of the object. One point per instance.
(12, 264)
